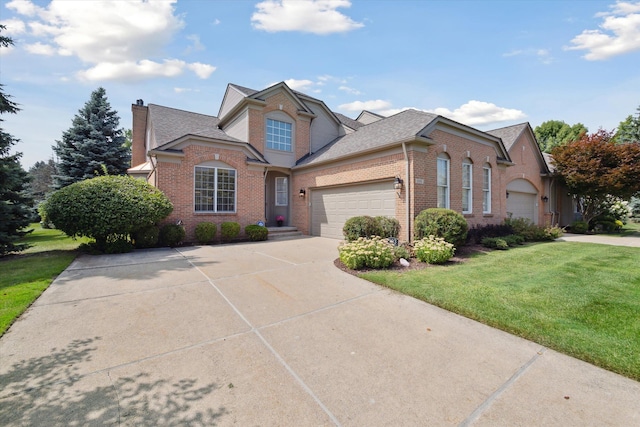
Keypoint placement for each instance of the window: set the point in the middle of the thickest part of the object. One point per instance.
(443, 181)
(278, 135)
(214, 189)
(486, 189)
(282, 191)
(467, 185)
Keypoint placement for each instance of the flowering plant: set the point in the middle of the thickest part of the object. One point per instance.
(373, 253)
(280, 218)
(433, 250)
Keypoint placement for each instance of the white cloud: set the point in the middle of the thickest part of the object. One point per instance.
(618, 34)
(310, 16)
(119, 40)
(300, 85)
(196, 44)
(349, 90)
(13, 27)
(40, 49)
(479, 113)
(373, 105)
(543, 55)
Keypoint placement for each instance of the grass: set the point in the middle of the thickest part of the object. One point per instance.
(630, 229)
(26, 275)
(577, 298)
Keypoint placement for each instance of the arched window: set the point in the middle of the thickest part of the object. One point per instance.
(443, 180)
(214, 188)
(486, 188)
(467, 186)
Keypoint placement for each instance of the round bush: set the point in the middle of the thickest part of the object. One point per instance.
(146, 237)
(206, 232)
(445, 223)
(387, 227)
(256, 232)
(360, 226)
(433, 250)
(118, 245)
(579, 227)
(105, 206)
(172, 235)
(229, 230)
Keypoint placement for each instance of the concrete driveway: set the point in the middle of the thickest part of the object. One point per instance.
(272, 334)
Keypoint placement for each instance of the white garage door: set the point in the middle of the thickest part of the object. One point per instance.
(522, 205)
(331, 207)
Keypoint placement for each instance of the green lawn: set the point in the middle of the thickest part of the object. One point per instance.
(24, 276)
(580, 299)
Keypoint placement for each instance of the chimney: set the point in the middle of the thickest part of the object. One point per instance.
(138, 133)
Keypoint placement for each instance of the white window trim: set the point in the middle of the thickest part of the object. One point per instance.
(468, 189)
(448, 184)
(486, 192)
(215, 194)
(266, 133)
(286, 181)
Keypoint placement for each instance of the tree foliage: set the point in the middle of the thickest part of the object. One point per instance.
(41, 177)
(595, 168)
(106, 207)
(554, 133)
(15, 204)
(629, 129)
(94, 142)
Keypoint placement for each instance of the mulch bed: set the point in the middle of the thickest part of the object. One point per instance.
(462, 255)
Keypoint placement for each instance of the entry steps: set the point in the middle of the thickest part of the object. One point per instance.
(282, 233)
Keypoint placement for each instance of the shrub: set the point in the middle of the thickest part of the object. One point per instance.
(579, 227)
(445, 223)
(401, 252)
(387, 227)
(527, 229)
(172, 235)
(256, 232)
(495, 243)
(206, 232)
(118, 244)
(229, 231)
(479, 232)
(146, 237)
(372, 253)
(45, 222)
(106, 206)
(433, 250)
(360, 226)
(554, 232)
(513, 240)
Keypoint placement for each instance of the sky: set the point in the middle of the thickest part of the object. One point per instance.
(487, 64)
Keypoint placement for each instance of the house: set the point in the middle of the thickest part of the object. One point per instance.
(278, 152)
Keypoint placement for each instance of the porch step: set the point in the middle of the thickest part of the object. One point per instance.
(281, 233)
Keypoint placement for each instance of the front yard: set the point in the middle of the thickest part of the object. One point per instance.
(580, 299)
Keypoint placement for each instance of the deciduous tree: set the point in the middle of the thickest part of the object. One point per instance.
(594, 167)
(553, 133)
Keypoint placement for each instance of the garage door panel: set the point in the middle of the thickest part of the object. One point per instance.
(331, 207)
(522, 205)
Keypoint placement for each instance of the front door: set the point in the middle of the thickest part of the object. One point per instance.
(277, 199)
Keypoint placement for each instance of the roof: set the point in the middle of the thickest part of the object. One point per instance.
(170, 124)
(548, 159)
(403, 126)
(509, 134)
(347, 121)
(245, 90)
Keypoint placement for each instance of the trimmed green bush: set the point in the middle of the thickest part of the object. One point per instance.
(362, 252)
(118, 244)
(256, 232)
(106, 206)
(513, 240)
(229, 231)
(479, 232)
(433, 250)
(526, 228)
(146, 237)
(579, 227)
(495, 243)
(439, 222)
(554, 232)
(360, 226)
(387, 227)
(206, 232)
(401, 252)
(172, 235)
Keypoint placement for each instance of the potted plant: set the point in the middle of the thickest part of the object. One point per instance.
(279, 220)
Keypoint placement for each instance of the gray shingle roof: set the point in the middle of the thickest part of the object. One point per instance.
(402, 126)
(245, 90)
(170, 124)
(347, 121)
(509, 134)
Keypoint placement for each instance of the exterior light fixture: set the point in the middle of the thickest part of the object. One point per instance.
(507, 194)
(545, 199)
(302, 193)
(397, 184)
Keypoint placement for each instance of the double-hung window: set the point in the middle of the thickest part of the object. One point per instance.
(467, 185)
(443, 181)
(486, 189)
(278, 135)
(214, 189)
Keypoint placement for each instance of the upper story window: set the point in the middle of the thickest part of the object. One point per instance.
(486, 188)
(278, 135)
(443, 180)
(467, 186)
(214, 189)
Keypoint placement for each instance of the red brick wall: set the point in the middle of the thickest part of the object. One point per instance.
(138, 131)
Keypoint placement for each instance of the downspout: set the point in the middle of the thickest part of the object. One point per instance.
(406, 189)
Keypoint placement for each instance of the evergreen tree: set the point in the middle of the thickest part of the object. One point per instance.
(93, 144)
(41, 175)
(629, 129)
(14, 203)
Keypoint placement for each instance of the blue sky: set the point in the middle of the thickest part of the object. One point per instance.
(487, 64)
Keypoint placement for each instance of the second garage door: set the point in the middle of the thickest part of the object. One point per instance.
(331, 207)
(521, 200)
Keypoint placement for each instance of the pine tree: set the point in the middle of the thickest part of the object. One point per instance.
(41, 174)
(92, 145)
(14, 203)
